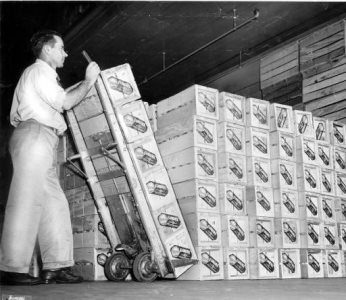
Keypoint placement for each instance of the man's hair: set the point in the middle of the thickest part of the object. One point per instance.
(41, 38)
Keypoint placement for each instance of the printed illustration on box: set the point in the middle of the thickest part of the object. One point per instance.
(257, 141)
(231, 138)
(207, 195)
(311, 178)
(321, 129)
(340, 184)
(260, 201)
(268, 263)
(259, 171)
(343, 236)
(286, 143)
(206, 132)
(232, 108)
(324, 155)
(327, 182)
(343, 209)
(328, 209)
(207, 99)
(311, 205)
(206, 162)
(291, 232)
(339, 131)
(237, 230)
(309, 151)
(179, 246)
(315, 262)
(340, 159)
(289, 201)
(233, 199)
(304, 124)
(287, 172)
(281, 117)
(330, 234)
(237, 263)
(334, 265)
(290, 261)
(263, 230)
(313, 231)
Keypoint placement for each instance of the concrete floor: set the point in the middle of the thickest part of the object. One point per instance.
(296, 289)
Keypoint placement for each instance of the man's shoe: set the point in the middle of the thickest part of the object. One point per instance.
(60, 276)
(12, 278)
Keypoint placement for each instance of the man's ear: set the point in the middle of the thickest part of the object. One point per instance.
(46, 49)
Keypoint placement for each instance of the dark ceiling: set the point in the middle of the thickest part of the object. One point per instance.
(151, 36)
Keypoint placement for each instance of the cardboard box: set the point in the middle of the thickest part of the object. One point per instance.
(260, 201)
(232, 168)
(334, 263)
(259, 171)
(232, 108)
(339, 159)
(321, 127)
(312, 263)
(303, 123)
(232, 198)
(284, 174)
(281, 118)
(197, 196)
(195, 131)
(236, 263)
(257, 113)
(340, 184)
(337, 133)
(262, 232)
(331, 238)
(235, 231)
(231, 138)
(342, 207)
(310, 206)
(325, 155)
(308, 178)
(287, 233)
(204, 229)
(329, 208)
(264, 263)
(306, 150)
(342, 235)
(192, 163)
(286, 203)
(283, 146)
(289, 263)
(195, 100)
(257, 142)
(209, 267)
(312, 234)
(120, 84)
(327, 182)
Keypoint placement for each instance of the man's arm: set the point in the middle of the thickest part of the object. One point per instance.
(76, 94)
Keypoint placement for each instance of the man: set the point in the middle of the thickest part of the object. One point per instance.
(37, 208)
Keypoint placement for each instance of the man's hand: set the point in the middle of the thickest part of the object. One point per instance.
(91, 73)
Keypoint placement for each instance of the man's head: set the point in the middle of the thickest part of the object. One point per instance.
(49, 46)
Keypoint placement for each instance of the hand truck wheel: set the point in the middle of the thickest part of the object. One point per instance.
(143, 268)
(117, 267)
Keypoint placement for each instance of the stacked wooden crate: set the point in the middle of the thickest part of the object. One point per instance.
(323, 66)
(232, 186)
(187, 139)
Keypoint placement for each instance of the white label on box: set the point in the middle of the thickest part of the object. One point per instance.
(340, 159)
(315, 263)
(328, 208)
(290, 232)
(327, 182)
(334, 263)
(321, 129)
(264, 232)
(268, 263)
(238, 231)
(340, 184)
(289, 202)
(330, 235)
(238, 263)
(313, 231)
(232, 108)
(234, 199)
(324, 155)
(290, 260)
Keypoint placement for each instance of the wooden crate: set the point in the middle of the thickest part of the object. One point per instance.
(334, 263)
(328, 182)
(281, 118)
(134, 121)
(284, 174)
(209, 267)
(308, 178)
(329, 208)
(283, 146)
(191, 163)
(231, 138)
(325, 155)
(321, 127)
(233, 199)
(193, 132)
(257, 113)
(340, 183)
(235, 231)
(232, 168)
(279, 65)
(232, 108)
(303, 123)
(195, 100)
(262, 232)
(120, 84)
(260, 201)
(339, 159)
(306, 150)
(321, 48)
(264, 263)
(259, 171)
(287, 233)
(310, 206)
(257, 142)
(342, 235)
(286, 203)
(198, 196)
(86, 263)
(312, 234)
(146, 155)
(337, 132)
(289, 263)
(204, 228)
(312, 263)
(330, 234)
(236, 263)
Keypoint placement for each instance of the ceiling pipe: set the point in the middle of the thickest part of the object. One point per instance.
(254, 17)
